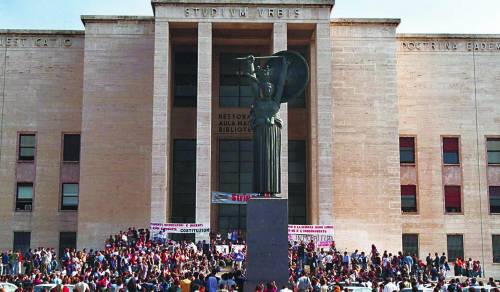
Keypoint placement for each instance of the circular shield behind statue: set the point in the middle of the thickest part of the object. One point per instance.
(297, 75)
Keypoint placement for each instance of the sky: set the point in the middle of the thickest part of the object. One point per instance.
(417, 16)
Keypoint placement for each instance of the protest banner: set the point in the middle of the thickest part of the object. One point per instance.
(185, 228)
(321, 235)
(233, 198)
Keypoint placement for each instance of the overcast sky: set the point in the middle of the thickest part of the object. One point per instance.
(424, 16)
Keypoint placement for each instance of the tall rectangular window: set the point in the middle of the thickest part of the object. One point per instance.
(493, 146)
(69, 199)
(297, 184)
(409, 198)
(27, 146)
(184, 181)
(410, 244)
(452, 199)
(235, 90)
(71, 147)
(66, 240)
(22, 241)
(24, 196)
(185, 79)
(407, 149)
(494, 199)
(235, 176)
(455, 244)
(496, 248)
(450, 150)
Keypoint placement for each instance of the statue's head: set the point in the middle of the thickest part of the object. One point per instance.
(267, 89)
(266, 86)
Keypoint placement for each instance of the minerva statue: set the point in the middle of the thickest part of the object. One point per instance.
(284, 76)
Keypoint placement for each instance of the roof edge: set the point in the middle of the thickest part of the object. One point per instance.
(249, 2)
(446, 36)
(42, 31)
(110, 18)
(348, 21)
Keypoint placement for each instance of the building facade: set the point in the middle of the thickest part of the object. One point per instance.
(133, 120)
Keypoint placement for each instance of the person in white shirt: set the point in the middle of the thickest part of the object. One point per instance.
(390, 286)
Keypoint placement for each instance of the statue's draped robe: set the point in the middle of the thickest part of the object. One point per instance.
(266, 127)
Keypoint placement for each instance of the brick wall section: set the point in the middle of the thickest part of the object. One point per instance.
(43, 92)
(365, 127)
(116, 128)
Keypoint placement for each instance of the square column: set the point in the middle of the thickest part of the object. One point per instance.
(160, 151)
(204, 123)
(324, 114)
(280, 44)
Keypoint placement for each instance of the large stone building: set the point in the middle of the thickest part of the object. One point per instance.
(137, 119)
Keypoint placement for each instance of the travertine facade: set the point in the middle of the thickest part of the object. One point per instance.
(115, 83)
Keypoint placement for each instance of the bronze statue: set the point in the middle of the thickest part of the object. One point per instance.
(283, 77)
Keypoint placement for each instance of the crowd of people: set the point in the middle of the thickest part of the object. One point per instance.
(133, 261)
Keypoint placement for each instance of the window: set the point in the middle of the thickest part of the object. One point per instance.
(409, 198)
(235, 90)
(71, 147)
(66, 240)
(185, 79)
(407, 149)
(27, 144)
(493, 146)
(410, 244)
(496, 248)
(450, 151)
(184, 181)
(494, 199)
(22, 241)
(69, 196)
(297, 190)
(235, 175)
(183, 185)
(24, 196)
(452, 199)
(455, 244)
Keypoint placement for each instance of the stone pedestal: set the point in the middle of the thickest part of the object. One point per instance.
(267, 242)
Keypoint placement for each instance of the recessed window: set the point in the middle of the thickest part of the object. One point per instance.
(496, 248)
(450, 151)
(22, 241)
(493, 146)
(410, 244)
(455, 244)
(235, 90)
(494, 199)
(69, 196)
(297, 182)
(27, 145)
(185, 79)
(409, 198)
(24, 197)
(235, 175)
(452, 199)
(407, 149)
(66, 240)
(184, 181)
(71, 147)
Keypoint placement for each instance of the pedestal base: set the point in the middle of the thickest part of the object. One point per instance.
(267, 242)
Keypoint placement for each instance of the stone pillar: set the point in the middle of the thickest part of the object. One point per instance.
(324, 114)
(312, 207)
(280, 44)
(160, 151)
(204, 123)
